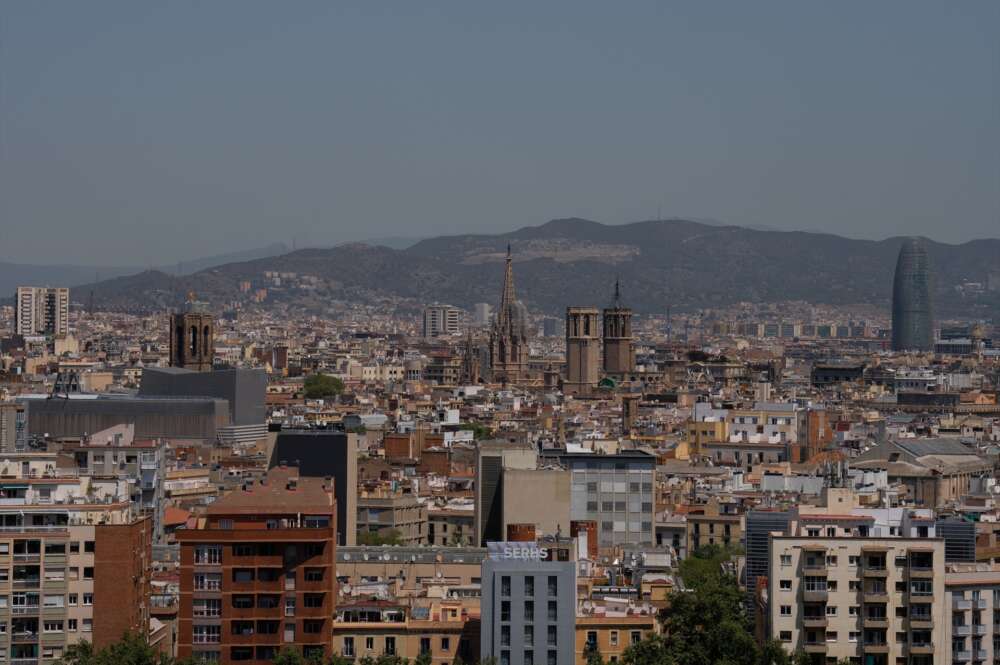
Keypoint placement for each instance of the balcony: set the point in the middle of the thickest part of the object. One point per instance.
(979, 629)
(960, 604)
(814, 647)
(26, 583)
(817, 568)
(979, 604)
(24, 637)
(921, 621)
(876, 647)
(814, 595)
(963, 630)
(875, 571)
(921, 572)
(875, 596)
(24, 610)
(875, 621)
(979, 654)
(814, 621)
(922, 648)
(961, 656)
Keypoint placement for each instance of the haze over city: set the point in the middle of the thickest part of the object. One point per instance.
(129, 129)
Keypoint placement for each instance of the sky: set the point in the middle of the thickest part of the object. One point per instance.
(149, 132)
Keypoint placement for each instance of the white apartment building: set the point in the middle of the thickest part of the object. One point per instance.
(42, 311)
(441, 320)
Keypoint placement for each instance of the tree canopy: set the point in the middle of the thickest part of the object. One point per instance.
(321, 386)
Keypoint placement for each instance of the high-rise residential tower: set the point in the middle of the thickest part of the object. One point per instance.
(441, 320)
(509, 335)
(42, 310)
(912, 299)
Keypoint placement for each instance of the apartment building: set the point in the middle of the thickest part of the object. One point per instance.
(850, 583)
(258, 572)
(42, 310)
(441, 320)
(384, 513)
(445, 630)
(115, 453)
(74, 565)
(13, 427)
(610, 628)
(972, 601)
(715, 523)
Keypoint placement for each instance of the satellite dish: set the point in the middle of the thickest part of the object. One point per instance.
(347, 556)
(386, 557)
(365, 556)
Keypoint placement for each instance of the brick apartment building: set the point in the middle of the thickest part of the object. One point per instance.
(258, 571)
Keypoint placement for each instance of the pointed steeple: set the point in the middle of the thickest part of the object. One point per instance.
(507, 297)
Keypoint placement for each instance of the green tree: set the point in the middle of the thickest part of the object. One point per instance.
(289, 656)
(132, 649)
(389, 537)
(322, 386)
(423, 658)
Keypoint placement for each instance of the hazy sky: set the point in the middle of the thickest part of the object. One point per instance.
(137, 132)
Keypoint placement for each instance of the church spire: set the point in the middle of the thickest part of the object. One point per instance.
(507, 298)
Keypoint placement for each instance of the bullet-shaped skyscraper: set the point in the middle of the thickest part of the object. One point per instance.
(912, 299)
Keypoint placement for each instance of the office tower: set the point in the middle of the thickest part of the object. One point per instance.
(583, 351)
(441, 320)
(616, 491)
(959, 539)
(192, 338)
(481, 313)
(528, 606)
(42, 311)
(258, 572)
(760, 524)
(912, 299)
(325, 454)
(78, 570)
(619, 356)
(509, 335)
(492, 458)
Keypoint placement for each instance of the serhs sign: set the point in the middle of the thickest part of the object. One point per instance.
(505, 551)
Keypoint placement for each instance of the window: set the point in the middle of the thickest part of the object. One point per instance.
(207, 607)
(831, 636)
(71, 625)
(200, 635)
(785, 636)
(529, 636)
(505, 657)
(613, 638)
(88, 546)
(505, 585)
(88, 599)
(635, 636)
(290, 606)
(243, 602)
(505, 635)
(551, 640)
(786, 559)
(505, 610)
(591, 639)
(242, 575)
(785, 585)
(553, 611)
(53, 600)
(390, 646)
(445, 644)
(208, 555)
(529, 586)
(313, 575)
(852, 560)
(786, 610)
(852, 636)
(52, 626)
(74, 600)
(529, 610)
(553, 585)
(74, 547)
(551, 658)
(831, 610)
(348, 649)
(529, 657)
(312, 600)
(425, 645)
(88, 573)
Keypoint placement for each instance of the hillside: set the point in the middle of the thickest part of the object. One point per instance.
(675, 263)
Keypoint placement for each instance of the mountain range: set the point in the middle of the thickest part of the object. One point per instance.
(664, 263)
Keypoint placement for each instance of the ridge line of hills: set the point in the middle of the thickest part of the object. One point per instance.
(665, 263)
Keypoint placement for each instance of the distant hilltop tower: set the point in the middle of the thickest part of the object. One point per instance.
(912, 299)
(619, 356)
(583, 351)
